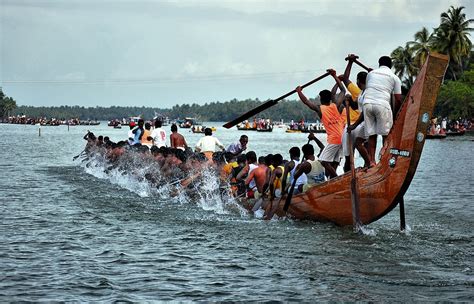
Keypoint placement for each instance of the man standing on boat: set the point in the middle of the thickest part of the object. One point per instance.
(158, 135)
(357, 127)
(377, 109)
(330, 114)
(208, 144)
(237, 148)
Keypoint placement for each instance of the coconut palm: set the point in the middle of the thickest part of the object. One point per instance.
(404, 62)
(452, 36)
(422, 46)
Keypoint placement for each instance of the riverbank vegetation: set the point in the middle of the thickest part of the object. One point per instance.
(451, 37)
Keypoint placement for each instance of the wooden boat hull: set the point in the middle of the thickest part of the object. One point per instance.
(383, 186)
(265, 130)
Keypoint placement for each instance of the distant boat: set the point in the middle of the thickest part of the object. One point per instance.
(455, 133)
(435, 136)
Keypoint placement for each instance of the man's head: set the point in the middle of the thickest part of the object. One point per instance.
(241, 159)
(308, 150)
(174, 128)
(269, 159)
(277, 160)
(141, 122)
(208, 131)
(385, 61)
(100, 138)
(361, 80)
(295, 153)
(244, 140)
(158, 123)
(251, 157)
(261, 160)
(325, 97)
(147, 126)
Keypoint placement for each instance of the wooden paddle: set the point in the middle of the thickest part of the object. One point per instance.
(354, 187)
(292, 189)
(268, 104)
(362, 65)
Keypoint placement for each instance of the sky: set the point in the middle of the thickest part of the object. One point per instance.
(163, 53)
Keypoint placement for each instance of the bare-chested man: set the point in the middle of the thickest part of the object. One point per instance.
(177, 140)
(259, 176)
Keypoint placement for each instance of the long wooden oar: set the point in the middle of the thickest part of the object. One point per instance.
(268, 104)
(354, 187)
(362, 65)
(292, 189)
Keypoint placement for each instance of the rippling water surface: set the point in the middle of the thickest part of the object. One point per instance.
(72, 233)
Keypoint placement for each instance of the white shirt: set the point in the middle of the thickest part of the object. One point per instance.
(235, 148)
(381, 84)
(208, 144)
(252, 183)
(159, 137)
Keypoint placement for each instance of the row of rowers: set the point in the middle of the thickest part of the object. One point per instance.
(141, 134)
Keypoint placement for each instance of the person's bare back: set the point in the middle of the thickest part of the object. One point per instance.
(177, 140)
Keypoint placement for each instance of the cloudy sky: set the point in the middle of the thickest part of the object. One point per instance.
(161, 53)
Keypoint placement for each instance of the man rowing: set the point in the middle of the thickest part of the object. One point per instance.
(158, 135)
(312, 167)
(289, 171)
(208, 144)
(237, 148)
(330, 114)
(177, 140)
(357, 126)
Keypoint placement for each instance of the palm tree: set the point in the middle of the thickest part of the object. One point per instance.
(452, 36)
(421, 46)
(404, 62)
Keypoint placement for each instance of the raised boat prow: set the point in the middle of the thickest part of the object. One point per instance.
(380, 187)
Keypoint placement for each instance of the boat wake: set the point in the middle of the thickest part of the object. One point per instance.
(142, 176)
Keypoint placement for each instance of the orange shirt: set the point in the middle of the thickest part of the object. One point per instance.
(144, 140)
(333, 123)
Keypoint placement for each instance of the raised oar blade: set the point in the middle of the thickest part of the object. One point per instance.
(251, 113)
(268, 104)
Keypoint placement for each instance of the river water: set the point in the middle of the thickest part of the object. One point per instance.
(71, 233)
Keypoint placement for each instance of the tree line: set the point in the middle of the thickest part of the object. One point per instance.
(7, 104)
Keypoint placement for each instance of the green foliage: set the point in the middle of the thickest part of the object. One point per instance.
(456, 98)
(7, 104)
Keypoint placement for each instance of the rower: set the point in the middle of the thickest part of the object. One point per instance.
(238, 147)
(158, 135)
(208, 144)
(177, 140)
(312, 167)
(330, 114)
(289, 170)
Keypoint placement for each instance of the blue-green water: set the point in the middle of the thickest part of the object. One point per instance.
(71, 233)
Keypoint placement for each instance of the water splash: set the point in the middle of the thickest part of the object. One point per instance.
(142, 176)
